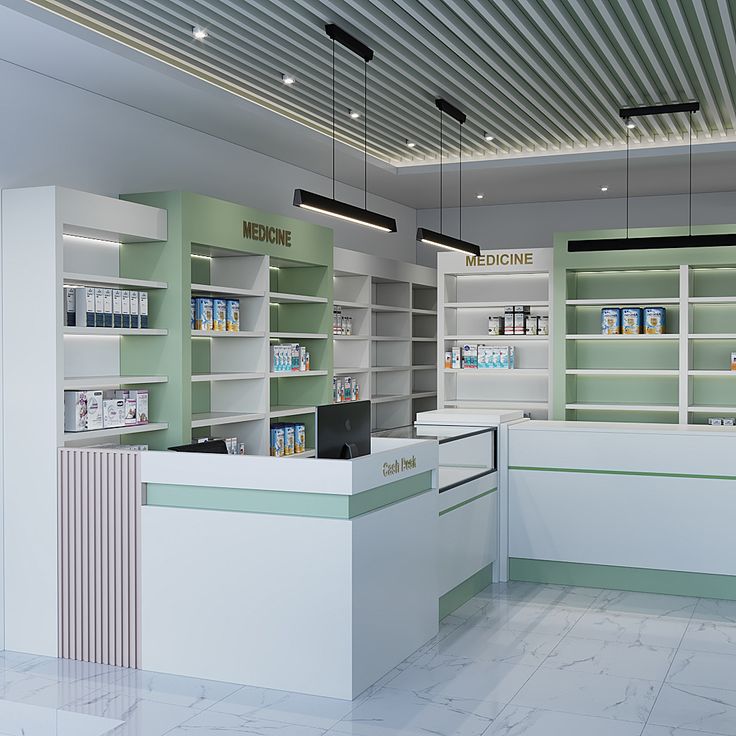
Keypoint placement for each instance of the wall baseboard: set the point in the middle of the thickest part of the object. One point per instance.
(460, 594)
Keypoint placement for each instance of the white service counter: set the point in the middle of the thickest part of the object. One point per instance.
(633, 506)
(314, 576)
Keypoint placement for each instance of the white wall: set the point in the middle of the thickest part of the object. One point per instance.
(534, 224)
(54, 133)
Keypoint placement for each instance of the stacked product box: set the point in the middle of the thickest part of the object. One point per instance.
(518, 320)
(290, 358)
(346, 388)
(341, 325)
(633, 320)
(93, 409)
(95, 306)
(481, 357)
(215, 314)
(288, 439)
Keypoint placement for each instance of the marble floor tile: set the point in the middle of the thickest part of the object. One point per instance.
(600, 657)
(70, 670)
(530, 618)
(645, 604)
(457, 677)
(519, 721)
(672, 731)
(710, 609)
(703, 668)
(212, 723)
(497, 645)
(561, 595)
(473, 607)
(710, 636)
(666, 631)
(696, 708)
(621, 698)
(392, 712)
(21, 687)
(19, 719)
(190, 692)
(140, 717)
(9, 659)
(277, 705)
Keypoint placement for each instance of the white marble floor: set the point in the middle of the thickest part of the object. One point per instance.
(519, 659)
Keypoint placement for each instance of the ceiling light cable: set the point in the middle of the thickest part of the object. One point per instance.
(690, 167)
(333, 118)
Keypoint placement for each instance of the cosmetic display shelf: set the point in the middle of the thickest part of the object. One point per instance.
(712, 336)
(98, 434)
(349, 371)
(385, 338)
(388, 308)
(97, 280)
(709, 409)
(712, 300)
(389, 368)
(212, 333)
(234, 376)
(621, 372)
(424, 339)
(97, 331)
(297, 455)
(642, 302)
(623, 338)
(351, 305)
(498, 371)
(496, 338)
(724, 372)
(296, 374)
(427, 367)
(624, 407)
(213, 418)
(290, 411)
(430, 312)
(491, 403)
(299, 335)
(76, 383)
(386, 398)
(214, 290)
(278, 297)
(493, 305)
(351, 337)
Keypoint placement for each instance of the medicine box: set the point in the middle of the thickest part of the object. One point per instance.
(117, 308)
(455, 357)
(85, 304)
(107, 308)
(134, 315)
(125, 307)
(82, 410)
(99, 306)
(219, 315)
(70, 306)
(114, 413)
(143, 308)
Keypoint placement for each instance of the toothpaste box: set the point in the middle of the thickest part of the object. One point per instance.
(107, 311)
(125, 307)
(113, 413)
(219, 315)
(134, 314)
(288, 439)
(300, 438)
(99, 307)
(143, 308)
(85, 304)
(70, 306)
(117, 308)
(232, 316)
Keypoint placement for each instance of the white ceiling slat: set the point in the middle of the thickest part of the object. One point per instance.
(542, 76)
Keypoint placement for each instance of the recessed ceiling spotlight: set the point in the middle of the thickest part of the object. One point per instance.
(353, 114)
(488, 136)
(479, 195)
(410, 144)
(604, 188)
(199, 33)
(630, 125)
(287, 79)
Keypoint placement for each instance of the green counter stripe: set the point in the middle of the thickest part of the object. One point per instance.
(623, 472)
(637, 579)
(460, 594)
(287, 503)
(465, 503)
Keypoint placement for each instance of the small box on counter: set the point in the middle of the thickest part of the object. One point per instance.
(470, 356)
(543, 325)
(519, 323)
(455, 357)
(496, 325)
(508, 322)
(531, 325)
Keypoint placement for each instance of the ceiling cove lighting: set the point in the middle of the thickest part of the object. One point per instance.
(480, 195)
(353, 114)
(329, 205)
(604, 188)
(410, 144)
(199, 33)
(287, 79)
(660, 241)
(439, 239)
(488, 137)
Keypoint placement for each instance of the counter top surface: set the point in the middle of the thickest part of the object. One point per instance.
(470, 417)
(622, 428)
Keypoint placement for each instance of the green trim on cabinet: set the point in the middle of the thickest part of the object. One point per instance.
(644, 473)
(460, 594)
(288, 503)
(467, 501)
(636, 579)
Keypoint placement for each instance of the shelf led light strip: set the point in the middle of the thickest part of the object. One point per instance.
(101, 241)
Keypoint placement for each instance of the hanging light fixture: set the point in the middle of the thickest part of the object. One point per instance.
(329, 205)
(659, 241)
(431, 237)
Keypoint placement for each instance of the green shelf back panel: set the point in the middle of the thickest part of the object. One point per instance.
(714, 317)
(714, 390)
(636, 274)
(712, 355)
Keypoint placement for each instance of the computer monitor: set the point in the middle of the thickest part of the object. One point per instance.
(344, 430)
(218, 447)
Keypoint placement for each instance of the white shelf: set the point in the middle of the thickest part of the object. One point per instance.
(212, 333)
(643, 302)
(709, 409)
(213, 377)
(494, 305)
(96, 434)
(712, 300)
(725, 372)
(290, 411)
(424, 367)
(214, 290)
(381, 338)
(86, 279)
(296, 455)
(712, 336)
(295, 374)
(621, 372)
(424, 339)
(633, 338)
(431, 312)
(490, 403)
(97, 382)
(498, 371)
(350, 305)
(214, 418)
(389, 368)
(496, 338)
(387, 308)
(348, 371)
(387, 398)
(423, 394)
(624, 407)
(351, 337)
(280, 297)
(96, 331)
(299, 335)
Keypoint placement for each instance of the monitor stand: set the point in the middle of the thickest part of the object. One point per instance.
(349, 450)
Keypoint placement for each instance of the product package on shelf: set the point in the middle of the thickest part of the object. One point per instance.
(219, 315)
(117, 308)
(203, 314)
(633, 320)
(143, 309)
(134, 309)
(83, 411)
(654, 320)
(288, 438)
(232, 308)
(341, 325)
(290, 358)
(70, 306)
(85, 306)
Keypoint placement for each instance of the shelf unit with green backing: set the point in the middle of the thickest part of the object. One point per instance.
(680, 377)
(221, 384)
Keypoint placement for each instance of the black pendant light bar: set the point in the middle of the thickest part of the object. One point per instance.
(343, 211)
(329, 205)
(432, 237)
(666, 109)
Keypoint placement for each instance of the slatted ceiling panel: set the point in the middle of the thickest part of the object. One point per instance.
(540, 75)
